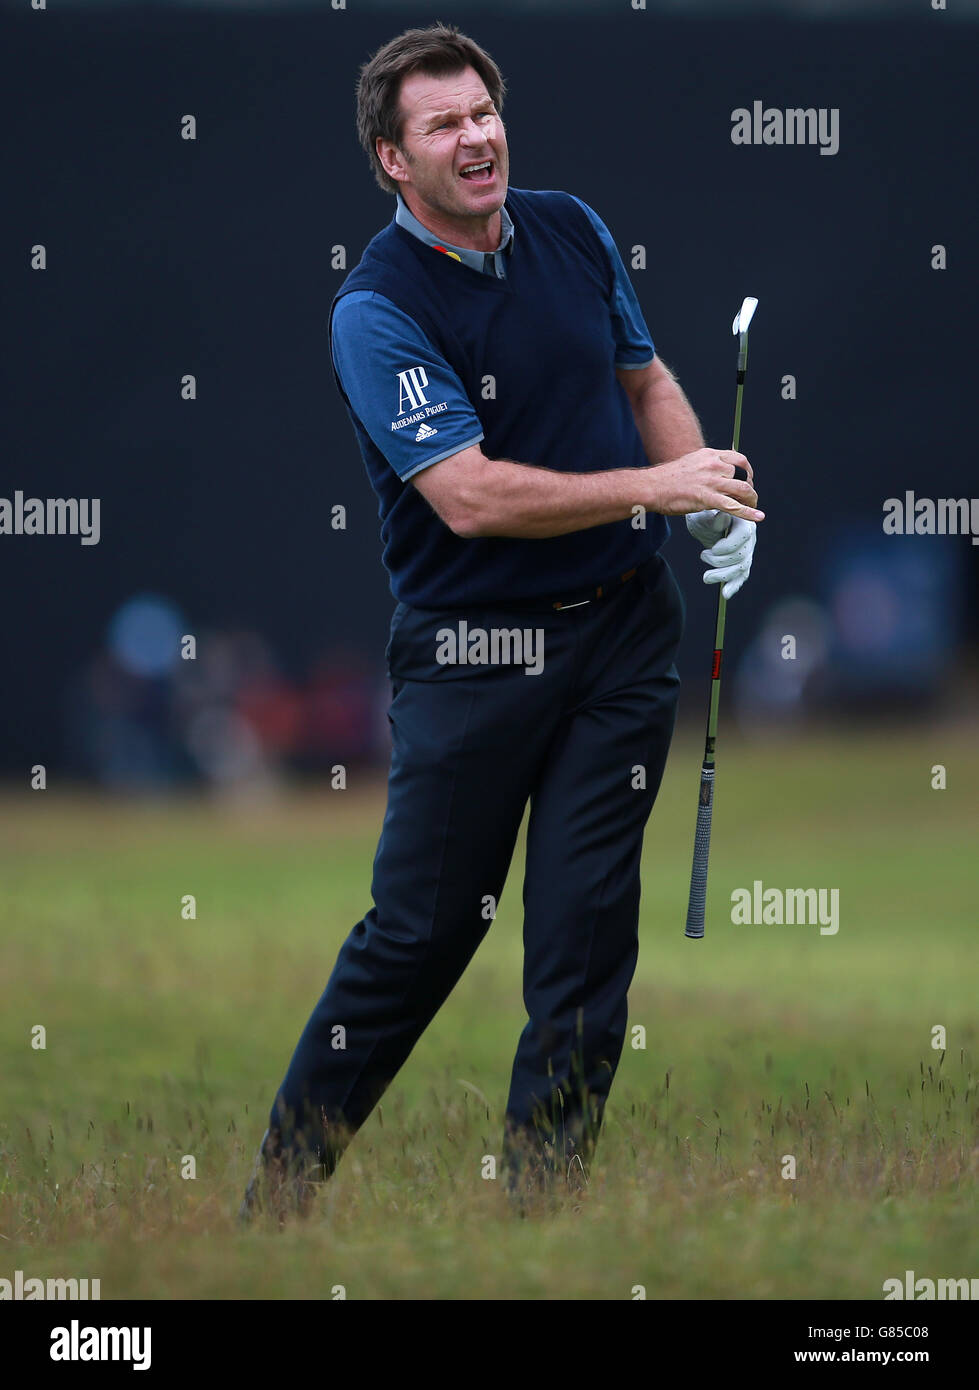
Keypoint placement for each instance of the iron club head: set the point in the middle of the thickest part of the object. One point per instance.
(743, 317)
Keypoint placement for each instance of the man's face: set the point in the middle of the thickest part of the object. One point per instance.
(449, 124)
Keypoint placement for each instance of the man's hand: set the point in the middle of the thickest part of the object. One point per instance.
(731, 544)
(704, 479)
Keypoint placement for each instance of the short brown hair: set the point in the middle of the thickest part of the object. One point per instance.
(436, 51)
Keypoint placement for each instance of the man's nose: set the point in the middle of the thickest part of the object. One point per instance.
(476, 132)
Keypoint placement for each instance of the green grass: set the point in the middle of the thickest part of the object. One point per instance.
(166, 1037)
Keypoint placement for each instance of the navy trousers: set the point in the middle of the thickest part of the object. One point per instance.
(585, 741)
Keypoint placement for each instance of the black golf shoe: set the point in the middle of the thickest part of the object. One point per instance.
(281, 1184)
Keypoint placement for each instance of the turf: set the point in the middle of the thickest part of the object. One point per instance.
(166, 1036)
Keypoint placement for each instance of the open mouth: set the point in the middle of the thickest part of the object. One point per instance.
(478, 173)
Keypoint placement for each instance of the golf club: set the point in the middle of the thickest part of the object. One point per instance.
(697, 903)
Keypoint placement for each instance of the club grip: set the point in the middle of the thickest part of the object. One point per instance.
(697, 904)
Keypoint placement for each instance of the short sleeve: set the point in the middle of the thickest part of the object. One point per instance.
(402, 390)
(633, 343)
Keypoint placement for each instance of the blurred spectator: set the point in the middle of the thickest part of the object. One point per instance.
(143, 717)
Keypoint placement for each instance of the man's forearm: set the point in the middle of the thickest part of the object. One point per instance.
(525, 502)
(500, 497)
(665, 420)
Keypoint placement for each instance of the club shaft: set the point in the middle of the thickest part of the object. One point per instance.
(715, 684)
(697, 903)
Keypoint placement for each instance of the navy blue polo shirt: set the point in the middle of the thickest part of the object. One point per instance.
(437, 347)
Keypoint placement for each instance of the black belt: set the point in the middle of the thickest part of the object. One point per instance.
(578, 600)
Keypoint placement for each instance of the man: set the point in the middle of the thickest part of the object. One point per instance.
(526, 445)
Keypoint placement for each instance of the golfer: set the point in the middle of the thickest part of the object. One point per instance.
(526, 444)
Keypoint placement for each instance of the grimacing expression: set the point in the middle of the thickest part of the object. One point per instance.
(450, 125)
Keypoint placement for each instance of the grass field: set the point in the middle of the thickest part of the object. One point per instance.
(166, 1037)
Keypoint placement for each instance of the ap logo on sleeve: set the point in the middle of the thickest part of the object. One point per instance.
(412, 399)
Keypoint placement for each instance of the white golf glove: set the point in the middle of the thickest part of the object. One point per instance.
(730, 545)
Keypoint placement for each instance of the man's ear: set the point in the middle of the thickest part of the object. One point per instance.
(391, 158)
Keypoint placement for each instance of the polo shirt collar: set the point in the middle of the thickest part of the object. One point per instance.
(407, 219)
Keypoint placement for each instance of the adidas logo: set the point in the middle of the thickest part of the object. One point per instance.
(425, 432)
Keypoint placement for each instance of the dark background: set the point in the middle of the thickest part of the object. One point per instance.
(213, 257)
